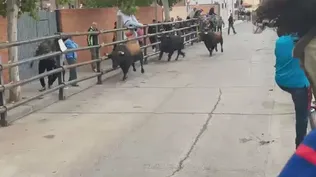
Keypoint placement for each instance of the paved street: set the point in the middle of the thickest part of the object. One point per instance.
(201, 116)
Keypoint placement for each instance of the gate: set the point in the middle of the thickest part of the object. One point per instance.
(29, 28)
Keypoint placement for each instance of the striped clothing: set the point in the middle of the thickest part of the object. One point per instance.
(303, 162)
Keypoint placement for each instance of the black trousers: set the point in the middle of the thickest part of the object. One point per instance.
(301, 99)
(47, 65)
(231, 26)
(152, 40)
(219, 29)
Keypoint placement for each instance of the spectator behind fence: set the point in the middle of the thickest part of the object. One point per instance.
(153, 39)
(114, 37)
(46, 64)
(71, 58)
(93, 40)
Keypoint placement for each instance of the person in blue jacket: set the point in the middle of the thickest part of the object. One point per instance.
(71, 58)
(291, 78)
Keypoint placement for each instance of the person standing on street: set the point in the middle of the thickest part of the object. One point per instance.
(220, 24)
(93, 40)
(231, 24)
(291, 78)
(71, 58)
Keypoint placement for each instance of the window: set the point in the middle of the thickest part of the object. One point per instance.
(222, 5)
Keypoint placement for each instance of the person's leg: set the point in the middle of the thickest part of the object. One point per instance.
(72, 71)
(228, 30)
(52, 77)
(41, 69)
(300, 97)
(93, 57)
(233, 29)
(151, 40)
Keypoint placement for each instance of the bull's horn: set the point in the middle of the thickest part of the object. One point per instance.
(121, 53)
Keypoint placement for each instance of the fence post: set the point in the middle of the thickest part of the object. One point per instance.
(99, 78)
(145, 43)
(3, 121)
(119, 24)
(197, 32)
(61, 76)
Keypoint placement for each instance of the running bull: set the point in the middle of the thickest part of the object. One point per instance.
(169, 44)
(211, 39)
(125, 55)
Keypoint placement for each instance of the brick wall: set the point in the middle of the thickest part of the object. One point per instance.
(80, 20)
(4, 52)
(73, 20)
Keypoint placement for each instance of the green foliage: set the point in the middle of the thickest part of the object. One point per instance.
(100, 3)
(26, 6)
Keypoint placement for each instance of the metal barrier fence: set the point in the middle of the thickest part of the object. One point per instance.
(4, 108)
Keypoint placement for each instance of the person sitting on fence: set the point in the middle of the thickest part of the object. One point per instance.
(93, 40)
(129, 20)
(47, 64)
(71, 58)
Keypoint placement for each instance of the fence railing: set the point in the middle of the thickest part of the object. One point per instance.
(189, 32)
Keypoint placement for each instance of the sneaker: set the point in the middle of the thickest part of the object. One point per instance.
(154, 50)
(42, 89)
(95, 70)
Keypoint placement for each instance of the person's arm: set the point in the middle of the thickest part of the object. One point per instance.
(135, 21)
(90, 38)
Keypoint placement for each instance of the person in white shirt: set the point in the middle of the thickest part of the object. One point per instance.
(130, 21)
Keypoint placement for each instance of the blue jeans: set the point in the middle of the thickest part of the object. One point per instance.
(300, 97)
(72, 71)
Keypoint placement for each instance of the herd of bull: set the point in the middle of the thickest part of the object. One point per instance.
(125, 55)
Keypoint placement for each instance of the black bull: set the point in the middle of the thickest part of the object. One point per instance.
(169, 44)
(122, 56)
(209, 37)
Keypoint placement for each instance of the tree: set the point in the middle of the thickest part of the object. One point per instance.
(12, 9)
(166, 8)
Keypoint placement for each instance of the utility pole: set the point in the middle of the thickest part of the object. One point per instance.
(166, 9)
(156, 10)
